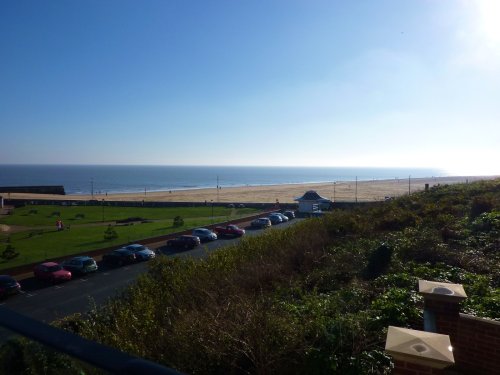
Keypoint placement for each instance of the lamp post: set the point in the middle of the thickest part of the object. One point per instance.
(334, 183)
(217, 188)
(103, 210)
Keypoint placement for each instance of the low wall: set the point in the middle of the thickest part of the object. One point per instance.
(475, 341)
(57, 189)
(69, 202)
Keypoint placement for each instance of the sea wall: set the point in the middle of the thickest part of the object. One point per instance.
(56, 189)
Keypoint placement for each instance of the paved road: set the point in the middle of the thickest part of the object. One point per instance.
(45, 302)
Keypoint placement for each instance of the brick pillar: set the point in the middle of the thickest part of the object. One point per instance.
(442, 310)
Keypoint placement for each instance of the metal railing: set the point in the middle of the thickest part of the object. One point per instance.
(98, 355)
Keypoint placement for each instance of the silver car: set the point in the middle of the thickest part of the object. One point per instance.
(204, 234)
(80, 265)
(141, 252)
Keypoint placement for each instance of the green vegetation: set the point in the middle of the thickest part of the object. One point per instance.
(314, 298)
(110, 233)
(72, 215)
(84, 230)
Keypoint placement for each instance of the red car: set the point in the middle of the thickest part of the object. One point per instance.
(230, 230)
(51, 271)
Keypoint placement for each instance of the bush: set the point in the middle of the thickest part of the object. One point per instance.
(110, 233)
(480, 205)
(178, 221)
(9, 253)
(378, 261)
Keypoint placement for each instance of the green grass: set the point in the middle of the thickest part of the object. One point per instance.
(43, 241)
(69, 214)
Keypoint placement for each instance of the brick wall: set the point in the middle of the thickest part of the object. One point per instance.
(475, 341)
(407, 368)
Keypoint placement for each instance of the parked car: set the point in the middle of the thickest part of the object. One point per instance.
(141, 252)
(284, 218)
(81, 265)
(184, 242)
(289, 214)
(230, 230)
(275, 219)
(119, 257)
(204, 234)
(51, 271)
(261, 222)
(8, 286)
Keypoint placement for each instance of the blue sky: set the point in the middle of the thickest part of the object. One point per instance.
(298, 83)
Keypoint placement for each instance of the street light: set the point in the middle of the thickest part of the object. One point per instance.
(103, 210)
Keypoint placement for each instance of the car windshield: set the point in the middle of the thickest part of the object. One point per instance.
(54, 268)
(88, 262)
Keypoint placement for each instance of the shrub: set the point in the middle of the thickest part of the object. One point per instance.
(110, 233)
(480, 205)
(178, 221)
(378, 261)
(9, 253)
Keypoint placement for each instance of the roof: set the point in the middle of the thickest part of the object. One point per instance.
(80, 257)
(311, 195)
(49, 264)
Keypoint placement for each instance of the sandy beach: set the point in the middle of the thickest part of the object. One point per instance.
(343, 191)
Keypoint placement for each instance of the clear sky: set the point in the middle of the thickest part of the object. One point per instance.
(412, 83)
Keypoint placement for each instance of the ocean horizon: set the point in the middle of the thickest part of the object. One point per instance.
(83, 179)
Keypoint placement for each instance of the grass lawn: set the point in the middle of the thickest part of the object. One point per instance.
(41, 240)
(31, 216)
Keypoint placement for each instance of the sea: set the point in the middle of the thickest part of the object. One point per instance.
(87, 179)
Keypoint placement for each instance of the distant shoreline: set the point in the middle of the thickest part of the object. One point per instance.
(367, 190)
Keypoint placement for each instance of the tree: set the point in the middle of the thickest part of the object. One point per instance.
(110, 233)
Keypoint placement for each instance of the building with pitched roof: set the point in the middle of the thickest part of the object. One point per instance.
(311, 202)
